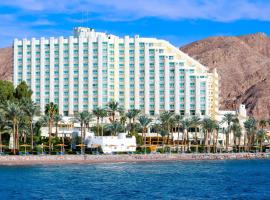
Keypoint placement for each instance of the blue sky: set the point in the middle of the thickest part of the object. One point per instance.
(179, 21)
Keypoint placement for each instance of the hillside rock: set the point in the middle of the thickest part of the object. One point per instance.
(6, 64)
(243, 64)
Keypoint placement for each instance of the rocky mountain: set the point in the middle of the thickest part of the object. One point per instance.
(243, 64)
(6, 64)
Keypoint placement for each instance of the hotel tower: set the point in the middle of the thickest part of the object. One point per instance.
(89, 69)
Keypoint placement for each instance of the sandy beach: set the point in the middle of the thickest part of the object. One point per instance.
(88, 159)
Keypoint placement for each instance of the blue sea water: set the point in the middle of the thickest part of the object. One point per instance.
(235, 179)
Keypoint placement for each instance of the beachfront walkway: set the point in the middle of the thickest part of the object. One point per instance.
(80, 159)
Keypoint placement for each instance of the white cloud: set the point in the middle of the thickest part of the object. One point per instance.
(126, 10)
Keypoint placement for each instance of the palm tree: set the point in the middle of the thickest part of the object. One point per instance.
(156, 128)
(236, 129)
(216, 128)
(228, 119)
(51, 110)
(131, 115)
(102, 116)
(178, 120)
(57, 119)
(98, 112)
(113, 108)
(165, 120)
(82, 118)
(172, 124)
(114, 128)
(123, 120)
(208, 125)
(31, 109)
(262, 124)
(13, 112)
(163, 133)
(196, 122)
(186, 124)
(3, 128)
(144, 122)
(250, 126)
(261, 137)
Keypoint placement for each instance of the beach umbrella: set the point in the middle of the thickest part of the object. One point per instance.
(43, 146)
(61, 145)
(95, 146)
(25, 145)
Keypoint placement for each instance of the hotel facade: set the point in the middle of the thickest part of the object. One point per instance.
(89, 69)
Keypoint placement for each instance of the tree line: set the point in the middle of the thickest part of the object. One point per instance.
(17, 112)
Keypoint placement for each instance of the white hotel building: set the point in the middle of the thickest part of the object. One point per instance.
(88, 69)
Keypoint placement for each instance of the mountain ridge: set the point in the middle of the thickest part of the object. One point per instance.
(243, 63)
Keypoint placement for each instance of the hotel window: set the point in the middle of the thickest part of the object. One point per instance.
(203, 84)
(151, 51)
(202, 91)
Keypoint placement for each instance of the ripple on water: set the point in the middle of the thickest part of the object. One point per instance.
(173, 180)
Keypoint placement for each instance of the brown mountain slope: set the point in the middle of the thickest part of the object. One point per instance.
(244, 66)
(6, 64)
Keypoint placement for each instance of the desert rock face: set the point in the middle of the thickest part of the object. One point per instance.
(243, 64)
(6, 64)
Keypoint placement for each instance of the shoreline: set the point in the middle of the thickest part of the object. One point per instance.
(17, 160)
